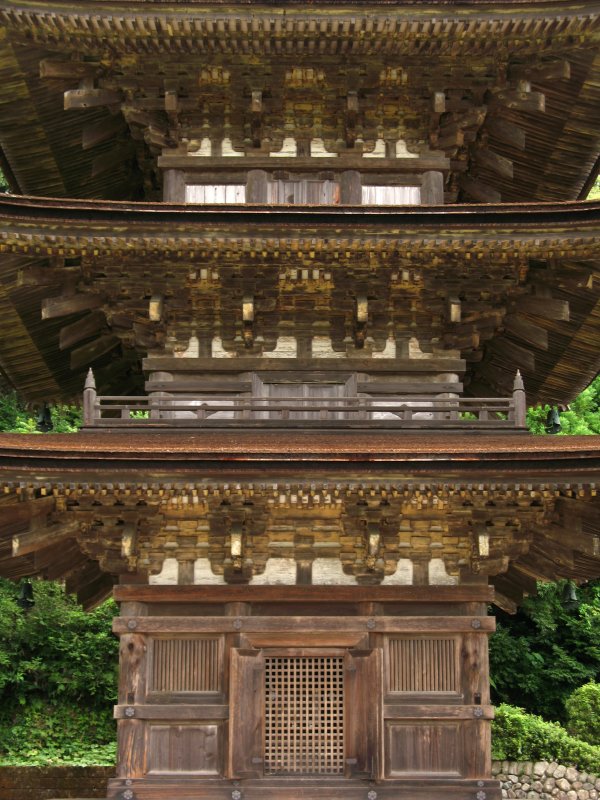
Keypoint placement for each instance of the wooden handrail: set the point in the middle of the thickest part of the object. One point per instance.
(414, 411)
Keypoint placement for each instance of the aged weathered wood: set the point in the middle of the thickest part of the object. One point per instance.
(82, 329)
(295, 594)
(62, 306)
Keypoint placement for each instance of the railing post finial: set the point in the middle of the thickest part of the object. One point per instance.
(90, 381)
(89, 398)
(520, 402)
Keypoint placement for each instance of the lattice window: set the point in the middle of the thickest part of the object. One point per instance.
(304, 716)
(423, 665)
(186, 665)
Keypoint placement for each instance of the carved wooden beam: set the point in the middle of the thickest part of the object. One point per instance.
(496, 163)
(82, 329)
(527, 331)
(88, 353)
(519, 99)
(40, 535)
(98, 132)
(63, 305)
(90, 98)
(19, 516)
(541, 72)
(547, 307)
(506, 132)
(479, 191)
(68, 70)
(115, 157)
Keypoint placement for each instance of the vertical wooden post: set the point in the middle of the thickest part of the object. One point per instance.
(173, 186)
(351, 188)
(519, 401)
(131, 762)
(432, 189)
(256, 186)
(89, 399)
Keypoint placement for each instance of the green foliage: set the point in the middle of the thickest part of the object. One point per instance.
(539, 656)
(582, 418)
(66, 418)
(517, 736)
(594, 193)
(58, 673)
(15, 417)
(3, 183)
(583, 713)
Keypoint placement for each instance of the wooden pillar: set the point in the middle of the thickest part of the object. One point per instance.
(432, 189)
(173, 186)
(351, 188)
(257, 189)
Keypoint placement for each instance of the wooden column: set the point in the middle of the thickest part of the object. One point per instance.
(432, 189)
(351, 188)
(173, 186)
(257, 189)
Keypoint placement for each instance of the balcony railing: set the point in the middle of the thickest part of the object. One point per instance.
(185, 411)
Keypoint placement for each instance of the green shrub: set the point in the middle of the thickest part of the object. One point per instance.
(45, 735)
(517, 736)
(583, 713)
(58, 675)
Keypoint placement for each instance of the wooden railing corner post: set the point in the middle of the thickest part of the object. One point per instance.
(519, 401)
(89, 399)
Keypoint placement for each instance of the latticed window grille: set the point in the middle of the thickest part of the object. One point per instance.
(304, 715)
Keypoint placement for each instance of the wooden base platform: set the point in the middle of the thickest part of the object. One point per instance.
(293, 789)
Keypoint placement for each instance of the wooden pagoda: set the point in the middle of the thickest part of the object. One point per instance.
(309, 262)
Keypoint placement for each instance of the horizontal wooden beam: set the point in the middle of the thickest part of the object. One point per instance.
(179, 711)
(314, 625)
(310, 594)
(480, 191)
(82, 329)
(67, 70)
(519, 100)
(19, 516)
(40, 536)
(430, 711)
(506, 132)
(493, 161)
(98, 132)
(90, 98)
(64, 305)
(323, 365)
(88, 353)
(526, 331)
(346, 160)
(541, 71)
(547, 307)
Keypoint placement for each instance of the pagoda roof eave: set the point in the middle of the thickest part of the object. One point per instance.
(27, 222)
(441, 455)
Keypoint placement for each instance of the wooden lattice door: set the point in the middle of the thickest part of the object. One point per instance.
(304, 715)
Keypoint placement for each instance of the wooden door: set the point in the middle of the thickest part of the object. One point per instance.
(363, 713)
(308, 393)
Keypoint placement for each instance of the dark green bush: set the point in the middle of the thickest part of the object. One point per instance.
(517, 736)
(58, 676)
(583, 713)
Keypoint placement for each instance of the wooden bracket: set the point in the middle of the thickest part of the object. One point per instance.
(248, 320)
(362, 318)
